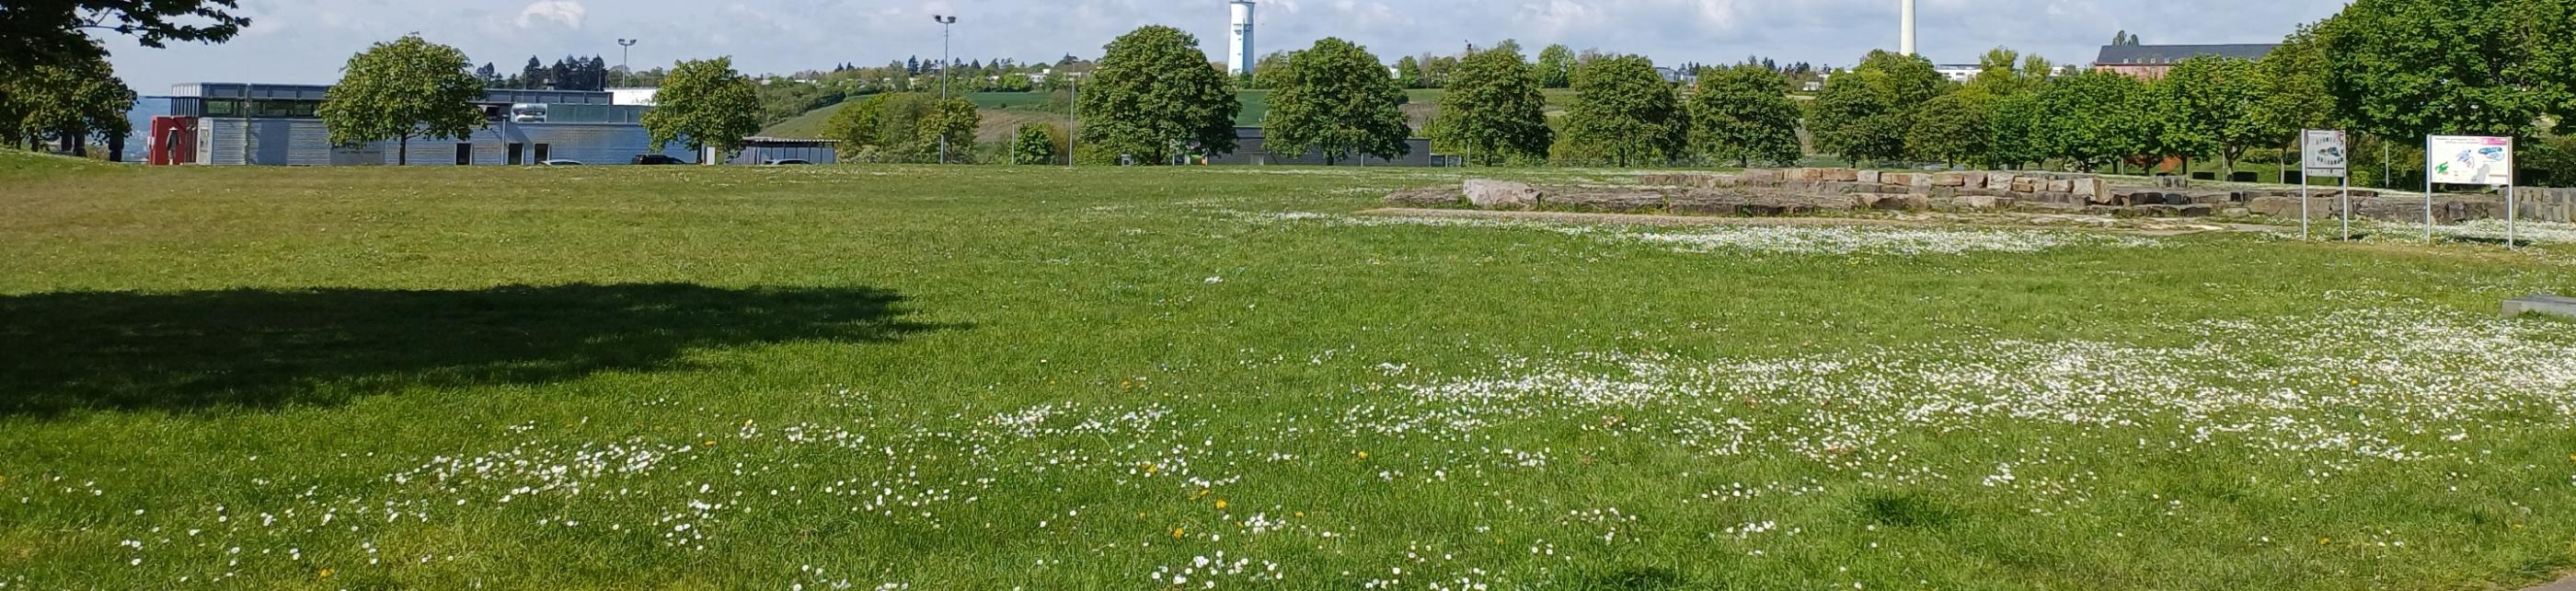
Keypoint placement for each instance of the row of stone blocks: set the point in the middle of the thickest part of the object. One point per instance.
(1850, 180)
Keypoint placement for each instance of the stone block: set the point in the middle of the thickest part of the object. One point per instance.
(1868, 177)
(1757, 176)
(1919, 180)
(1844, 175)
(1604, 199)
(1979, 201)
(1443, 195)
(2027, 185)
(2194, 211)
(1493, 194)
(1949, 179)
(1999, 180)
(2541, 304)
(2085, 186)
(1900, 179)
(2061, 186)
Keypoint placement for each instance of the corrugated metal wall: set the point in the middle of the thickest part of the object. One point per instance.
(306, 142)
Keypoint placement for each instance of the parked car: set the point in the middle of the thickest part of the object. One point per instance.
(656, 160)
(787, 162)
(560, 162)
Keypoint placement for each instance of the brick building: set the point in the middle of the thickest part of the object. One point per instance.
(2150, 62)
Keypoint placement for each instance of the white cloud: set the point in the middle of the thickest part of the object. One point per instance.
(563, 12)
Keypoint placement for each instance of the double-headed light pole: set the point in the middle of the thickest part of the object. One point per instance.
(944, 62)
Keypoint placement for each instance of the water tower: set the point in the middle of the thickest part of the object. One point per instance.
(1239, 57)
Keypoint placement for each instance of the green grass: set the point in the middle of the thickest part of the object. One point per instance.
(988, 377)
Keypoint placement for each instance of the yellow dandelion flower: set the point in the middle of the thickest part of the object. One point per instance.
(1363, 455)
(1178, 532)
(711, 443)
(326, 573)
(2324, 541)
(1220, 504)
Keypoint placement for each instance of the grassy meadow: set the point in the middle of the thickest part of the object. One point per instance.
(1221, 378)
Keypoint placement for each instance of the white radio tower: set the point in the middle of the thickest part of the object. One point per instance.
(1239, 58)
(1905, 36)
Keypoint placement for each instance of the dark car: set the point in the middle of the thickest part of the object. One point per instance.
(656, 160)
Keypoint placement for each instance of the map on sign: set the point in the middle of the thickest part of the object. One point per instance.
(2324, 154)
(2469, 160)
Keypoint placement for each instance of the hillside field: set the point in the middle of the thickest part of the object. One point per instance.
(916, 377)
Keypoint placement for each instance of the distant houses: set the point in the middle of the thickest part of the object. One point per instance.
(2150, 62)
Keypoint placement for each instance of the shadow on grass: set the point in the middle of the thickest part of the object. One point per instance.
(259, 349)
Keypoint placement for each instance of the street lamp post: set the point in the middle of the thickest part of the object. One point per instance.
(944, 62)
(625, 56)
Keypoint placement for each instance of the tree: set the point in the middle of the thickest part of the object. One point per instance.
(1903, 80)
(1494, 109)
(1852, 118)
(1264, 76)
(1408, 72)
(1950, 128)
(953, 120)
(2411, 68)
(488, 74)
(1035, 145)
(56, 32)
(2208, 103)
(1622, 106)
(400, 90)
(706, 104)
(1154, 96)
(2093, 118)
(533, 75)
(1556, 66)
(1336, 98)
(1744, 114)
(2290, 87)
(2012, 130)
(72, 103)
(2124, 38)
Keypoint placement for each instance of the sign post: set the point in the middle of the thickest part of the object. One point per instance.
(2469, 160)
(2324, 153)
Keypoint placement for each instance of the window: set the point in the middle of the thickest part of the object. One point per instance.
(542, 149)
(223, 108)
(465, 154)
(515, 159)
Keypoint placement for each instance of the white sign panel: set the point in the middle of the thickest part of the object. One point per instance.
(2469, 160)
(2324, 153)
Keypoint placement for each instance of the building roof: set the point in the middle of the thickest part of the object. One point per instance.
(2166, 55)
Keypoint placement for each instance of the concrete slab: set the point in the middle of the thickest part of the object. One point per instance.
(2566, 585)
(2543, 304)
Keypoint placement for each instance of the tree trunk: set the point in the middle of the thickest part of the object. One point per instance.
(402, 154)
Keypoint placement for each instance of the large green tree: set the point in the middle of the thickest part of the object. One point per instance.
(71, 103)
(1950, 128)
(1627, 110)
(1154, 96)
(400, 90)
(1408, 72)
(1905, 80)
(1556, 66)
(1336, 97)
(1852, 118)
(57, 32)
(706, 104)
(2094, 118)
(1494, 110)
(2290, 87)
(2012, 129)
(2208, 104)
(2411, 68)
(952, 123)
(1743, 114)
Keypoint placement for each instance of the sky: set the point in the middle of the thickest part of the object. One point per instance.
(306, 41)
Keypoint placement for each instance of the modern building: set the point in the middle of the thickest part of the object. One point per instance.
(280, 125)
(1248, 149)
(765, 150)
(2151, 62)
(1960, 73)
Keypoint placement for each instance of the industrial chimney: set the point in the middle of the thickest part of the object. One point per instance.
(1905, 37)
(1239, 58)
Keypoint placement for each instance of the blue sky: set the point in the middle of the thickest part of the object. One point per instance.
(306, 41)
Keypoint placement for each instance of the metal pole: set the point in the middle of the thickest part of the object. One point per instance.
(2511, 214)
(2304, 234)
(2346, 196)
(1073, 135)
(945, 60)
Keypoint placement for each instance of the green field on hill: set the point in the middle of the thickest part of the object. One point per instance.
(915, 377)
